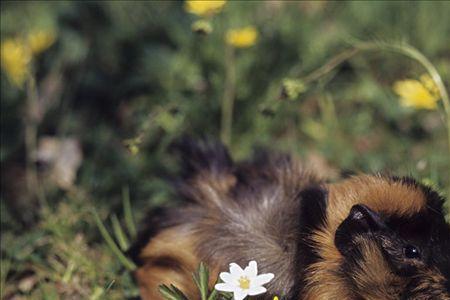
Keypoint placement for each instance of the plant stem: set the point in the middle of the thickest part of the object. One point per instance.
(228, 96)
(331, 64)
(31, 123)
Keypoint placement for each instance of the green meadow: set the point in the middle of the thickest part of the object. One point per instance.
(94, 92)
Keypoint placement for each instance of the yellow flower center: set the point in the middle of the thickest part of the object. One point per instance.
(244, 283)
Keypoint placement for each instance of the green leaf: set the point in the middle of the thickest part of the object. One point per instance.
(171, 293)
(201, 278)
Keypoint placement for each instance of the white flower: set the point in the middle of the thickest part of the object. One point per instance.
(245, 282)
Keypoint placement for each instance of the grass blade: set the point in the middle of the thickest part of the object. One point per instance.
(201, 279)
(129, 220)
(213, 295)
(171, 293)
(119, 234)
(112, 245)
(5, 267)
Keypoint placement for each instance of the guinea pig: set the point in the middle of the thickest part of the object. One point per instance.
(365, 237)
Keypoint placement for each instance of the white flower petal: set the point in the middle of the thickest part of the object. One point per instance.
(239, 294)
(257, 290)
(252, 269)
(232, 280)
(236, 270)
(226, 277)
(225, 287)
(262, 279)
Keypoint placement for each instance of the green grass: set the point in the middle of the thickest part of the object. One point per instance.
(125, 80)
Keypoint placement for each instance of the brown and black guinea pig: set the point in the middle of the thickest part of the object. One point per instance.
(366, 237)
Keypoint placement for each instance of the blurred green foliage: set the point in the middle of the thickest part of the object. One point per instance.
(124, 72)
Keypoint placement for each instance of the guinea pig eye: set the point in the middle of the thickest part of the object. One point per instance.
(411, 251)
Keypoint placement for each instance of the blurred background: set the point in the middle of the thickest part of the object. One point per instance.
(92, 94)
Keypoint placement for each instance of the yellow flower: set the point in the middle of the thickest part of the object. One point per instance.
(275, 298)
(242, 37)
(40, 41)
(421, 94)
(204, 7)
(17, 54)
(15, 60)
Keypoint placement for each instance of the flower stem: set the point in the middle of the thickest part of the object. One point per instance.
(331, 64)
(31, 132)
(228, 96)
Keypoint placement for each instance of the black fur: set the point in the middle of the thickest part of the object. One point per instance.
(312, 216)
(440, 255)
(203, 155)
(428, 223)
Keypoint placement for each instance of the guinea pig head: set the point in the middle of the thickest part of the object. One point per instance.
(396, 255)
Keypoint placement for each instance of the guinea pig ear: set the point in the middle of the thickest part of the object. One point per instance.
(360, 220)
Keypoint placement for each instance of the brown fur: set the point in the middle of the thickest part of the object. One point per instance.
(428, 284)
(169, 259)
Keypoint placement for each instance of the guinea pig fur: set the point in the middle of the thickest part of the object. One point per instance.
(365, 237)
